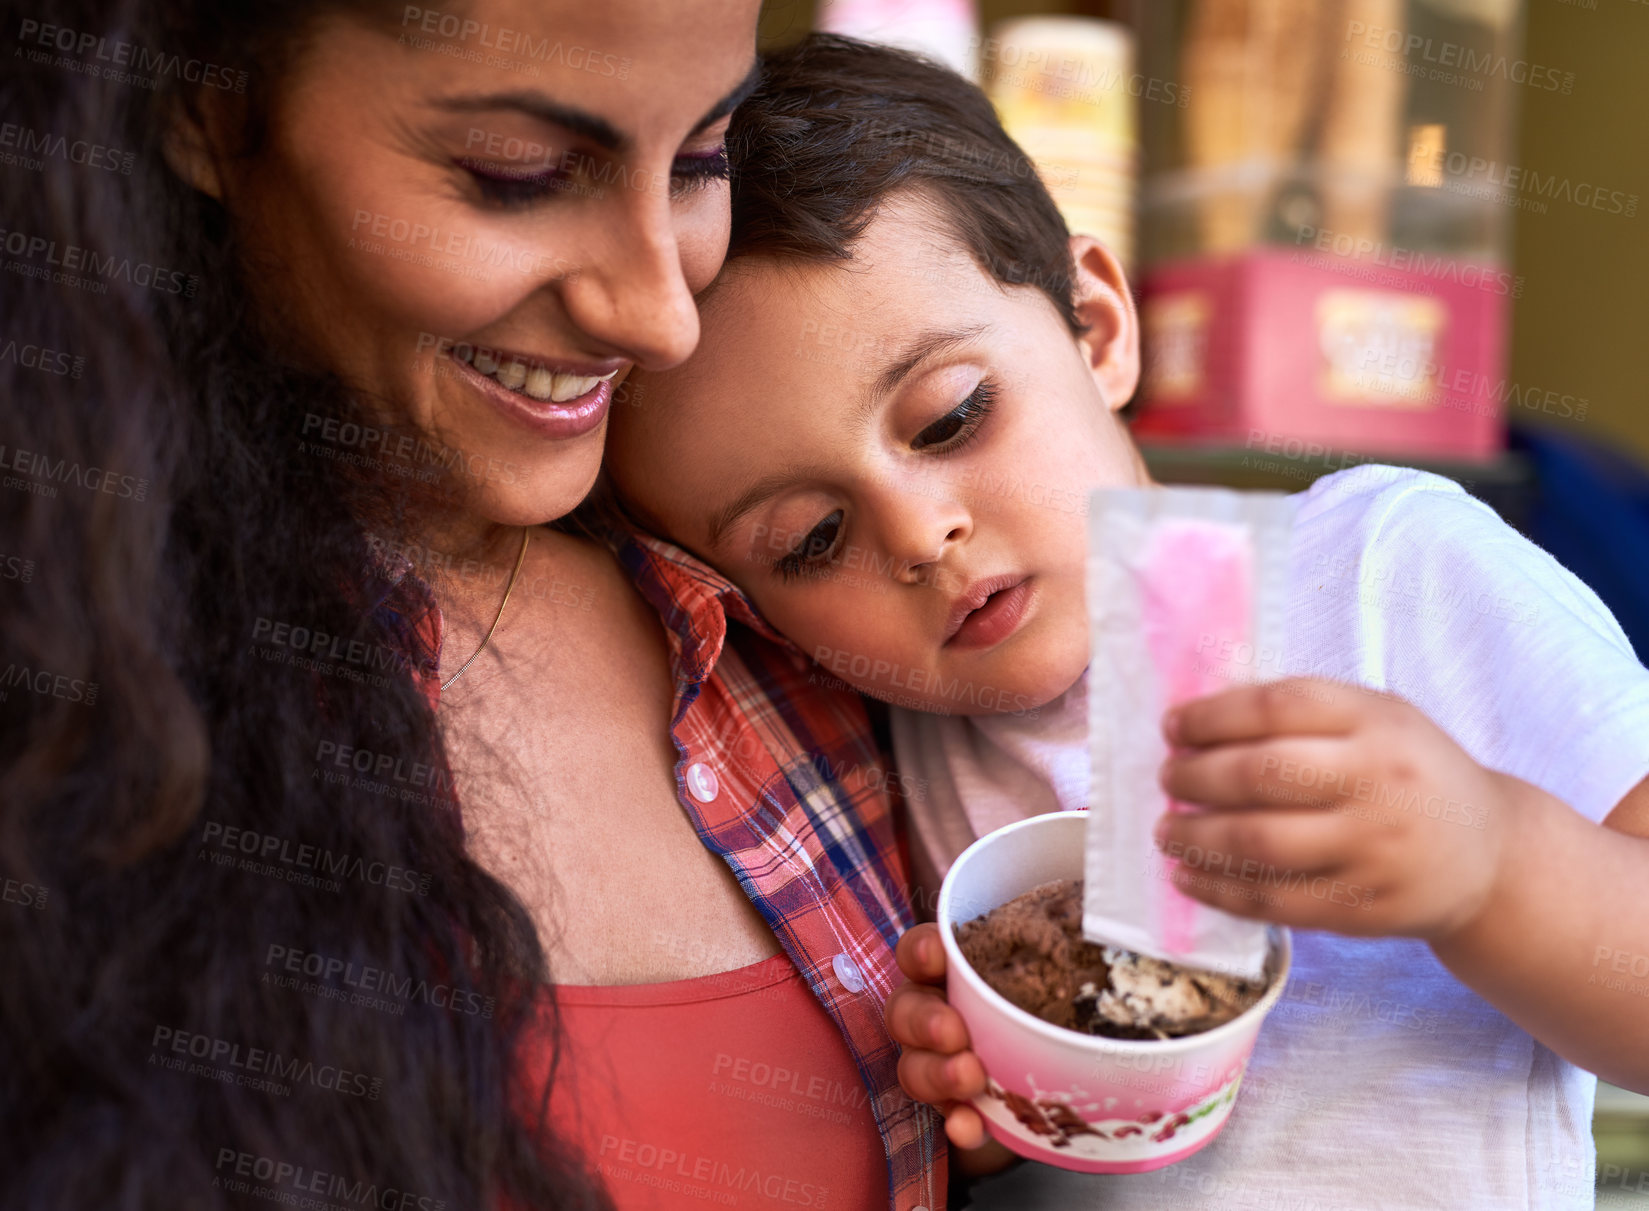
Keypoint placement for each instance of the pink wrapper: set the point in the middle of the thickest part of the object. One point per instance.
(1186, 592)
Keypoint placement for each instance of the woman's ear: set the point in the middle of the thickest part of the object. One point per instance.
(1106, 306)
(190, 152)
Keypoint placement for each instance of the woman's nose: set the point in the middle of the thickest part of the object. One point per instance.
(633, 297)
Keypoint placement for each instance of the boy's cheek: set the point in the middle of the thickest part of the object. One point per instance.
(856, 656)
(841, 653)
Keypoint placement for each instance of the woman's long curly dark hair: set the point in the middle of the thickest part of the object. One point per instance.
(191, 891)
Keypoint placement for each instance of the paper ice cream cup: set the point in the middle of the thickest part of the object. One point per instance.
(1079, 1101)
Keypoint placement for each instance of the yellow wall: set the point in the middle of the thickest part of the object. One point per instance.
(1582, 326)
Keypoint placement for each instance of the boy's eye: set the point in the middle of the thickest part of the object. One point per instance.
(955, 427)
(814, 548)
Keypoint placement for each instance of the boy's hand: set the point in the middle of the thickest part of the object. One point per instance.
(936, 1065)
(1328, 806)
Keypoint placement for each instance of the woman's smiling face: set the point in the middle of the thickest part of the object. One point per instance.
(480, 217)
(892, 457)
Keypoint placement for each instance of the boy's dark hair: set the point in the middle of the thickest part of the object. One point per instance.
(837, 125)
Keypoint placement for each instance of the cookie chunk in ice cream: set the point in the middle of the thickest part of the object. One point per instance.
(1031, 951)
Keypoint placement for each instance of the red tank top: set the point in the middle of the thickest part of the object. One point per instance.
(733, 1090)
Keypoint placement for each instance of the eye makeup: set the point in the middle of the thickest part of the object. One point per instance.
(509, 187)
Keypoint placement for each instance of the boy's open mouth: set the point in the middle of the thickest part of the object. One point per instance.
(988, 612)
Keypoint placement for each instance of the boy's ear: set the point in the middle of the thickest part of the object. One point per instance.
(1106, 306)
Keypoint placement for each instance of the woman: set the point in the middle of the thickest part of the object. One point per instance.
(323, 755)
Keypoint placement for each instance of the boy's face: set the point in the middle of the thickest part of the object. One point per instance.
(892, 457)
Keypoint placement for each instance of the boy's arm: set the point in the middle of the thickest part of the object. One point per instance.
(1357, 814)
(1631, 814)
(1562, 947)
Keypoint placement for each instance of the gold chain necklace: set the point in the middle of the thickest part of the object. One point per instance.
(508, 589)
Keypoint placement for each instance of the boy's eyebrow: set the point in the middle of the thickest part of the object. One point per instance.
(766, 486)
(583, 123)
(918, 350)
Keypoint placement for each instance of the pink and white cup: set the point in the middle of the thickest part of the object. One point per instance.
(1078, 1101)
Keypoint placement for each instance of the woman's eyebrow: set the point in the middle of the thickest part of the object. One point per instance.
(581, 122)
(537, 105)
(734, 99)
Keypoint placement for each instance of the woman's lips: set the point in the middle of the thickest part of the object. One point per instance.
(994, 620)
(546, 417)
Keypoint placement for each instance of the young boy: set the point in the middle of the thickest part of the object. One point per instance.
(907, 386)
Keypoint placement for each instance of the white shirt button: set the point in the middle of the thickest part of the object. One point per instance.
(702, 782)
(847, 971)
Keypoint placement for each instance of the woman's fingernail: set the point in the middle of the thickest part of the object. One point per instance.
(1160, 831)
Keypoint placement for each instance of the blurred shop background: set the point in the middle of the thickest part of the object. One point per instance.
(1403, 231)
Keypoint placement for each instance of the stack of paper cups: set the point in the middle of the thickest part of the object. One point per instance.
(1065, 90)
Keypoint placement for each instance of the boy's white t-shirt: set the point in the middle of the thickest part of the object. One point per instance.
(1379, 1080)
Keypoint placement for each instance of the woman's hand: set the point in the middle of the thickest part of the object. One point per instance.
(1328, 806)
(936, 1065)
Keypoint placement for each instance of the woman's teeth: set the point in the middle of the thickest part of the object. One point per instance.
(535, 381)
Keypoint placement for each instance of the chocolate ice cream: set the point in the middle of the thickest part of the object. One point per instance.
(1031, 950)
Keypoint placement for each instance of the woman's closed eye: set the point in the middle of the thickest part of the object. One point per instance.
(956, 428)
(699, 169)
(516, 186)
(508, 187)
(814, 549)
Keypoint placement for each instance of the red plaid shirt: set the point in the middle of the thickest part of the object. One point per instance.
(780, 774)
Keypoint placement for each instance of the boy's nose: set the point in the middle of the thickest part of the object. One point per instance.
(924, 552)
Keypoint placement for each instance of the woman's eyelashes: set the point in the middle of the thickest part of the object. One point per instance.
(690, 172)
(957, 427)
(814, 549)
(507, 187)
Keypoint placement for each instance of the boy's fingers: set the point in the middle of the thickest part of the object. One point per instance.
(1259, 848)
(921, 954)
(919, 1016)
(1307, 771)
(964, 1127)
(1297, 706)
(1314, 901)
(930, 1077)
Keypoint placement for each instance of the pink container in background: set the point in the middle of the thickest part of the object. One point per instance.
(1084, 1102)
(1278, 350)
